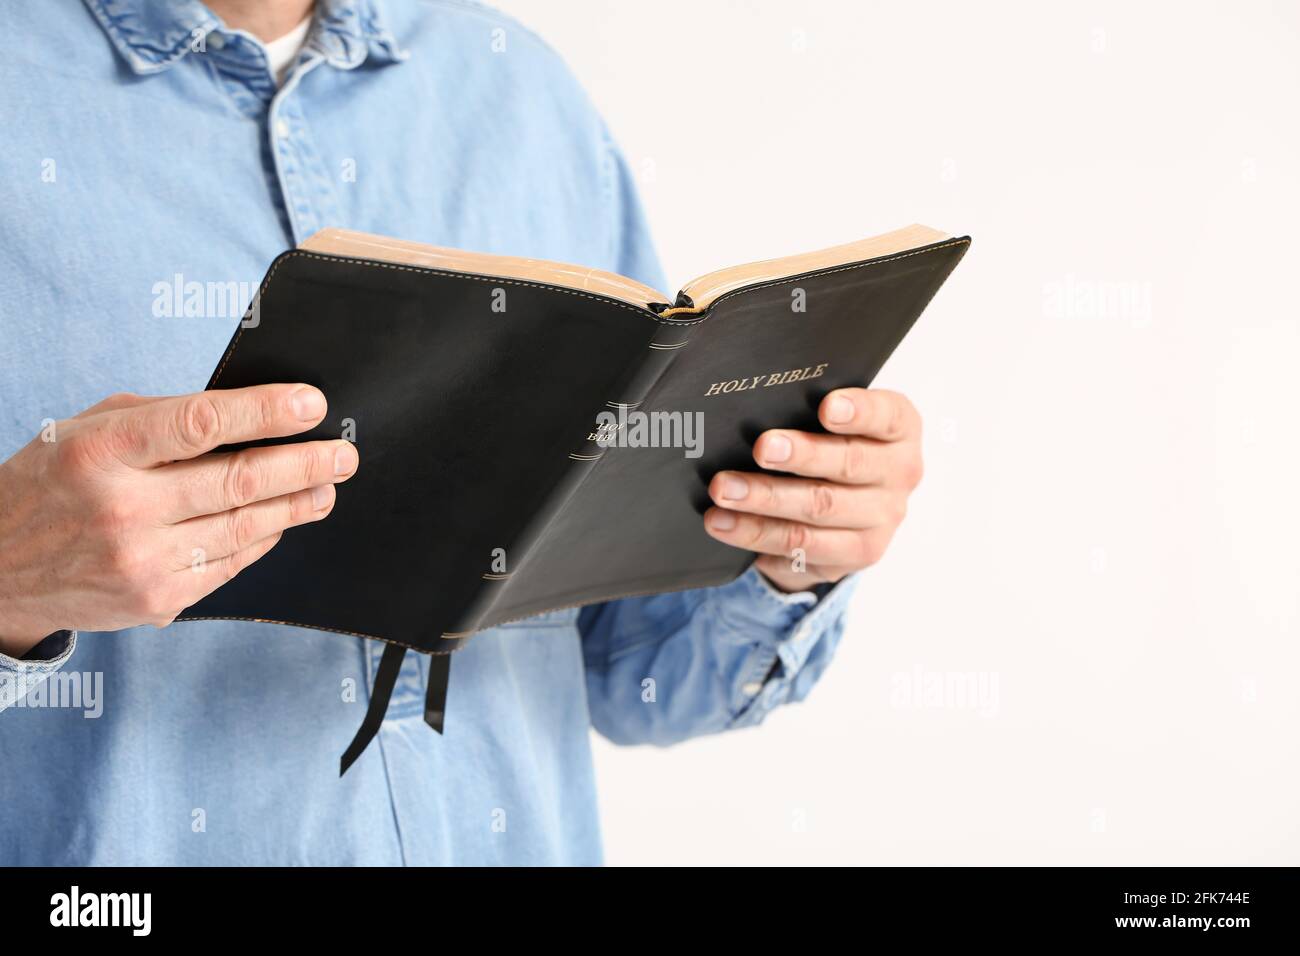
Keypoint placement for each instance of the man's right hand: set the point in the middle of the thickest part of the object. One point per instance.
(127, 516)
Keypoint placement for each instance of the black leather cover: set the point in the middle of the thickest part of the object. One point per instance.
(474, 431)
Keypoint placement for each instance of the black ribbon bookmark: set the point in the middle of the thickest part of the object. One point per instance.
(435, 700)
(385, 678)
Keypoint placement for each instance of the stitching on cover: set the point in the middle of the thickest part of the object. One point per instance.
(547, 288)
(644, 313)
(319, 627)
(860, 265)
(805, 275)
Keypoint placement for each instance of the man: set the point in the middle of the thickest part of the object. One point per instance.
(158, 148)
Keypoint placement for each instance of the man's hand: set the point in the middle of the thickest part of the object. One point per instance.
(838, 516)
(126, 516)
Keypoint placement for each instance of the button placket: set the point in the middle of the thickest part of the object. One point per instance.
(287, 162)
(307, 191)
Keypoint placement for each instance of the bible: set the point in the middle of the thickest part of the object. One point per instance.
(534, 435)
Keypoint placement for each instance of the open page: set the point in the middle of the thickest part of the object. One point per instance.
(702, 291)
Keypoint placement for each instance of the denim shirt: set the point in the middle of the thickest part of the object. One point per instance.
(152, 169)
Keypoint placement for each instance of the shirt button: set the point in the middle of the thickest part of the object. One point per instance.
(282, 129)
(216, 40)
(751, 689)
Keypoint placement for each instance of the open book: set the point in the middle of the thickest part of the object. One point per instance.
(534, 435)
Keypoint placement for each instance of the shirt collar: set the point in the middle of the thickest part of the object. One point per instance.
(151, 35)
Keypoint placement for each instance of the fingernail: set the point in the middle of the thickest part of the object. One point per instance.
(308, 404)
(321, 496)
(722, 521)
(777, 448)
(734, 488)
(839, 410)
(345, 459)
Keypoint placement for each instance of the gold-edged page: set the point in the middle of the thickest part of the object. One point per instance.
(705, 290)
(361, 245)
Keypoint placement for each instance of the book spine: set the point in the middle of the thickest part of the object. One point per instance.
(588, 449)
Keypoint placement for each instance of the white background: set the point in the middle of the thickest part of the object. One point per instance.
(1109, 526)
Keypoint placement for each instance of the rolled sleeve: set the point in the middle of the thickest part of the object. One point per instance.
(673, 666)
(18, 675)
(795, 637)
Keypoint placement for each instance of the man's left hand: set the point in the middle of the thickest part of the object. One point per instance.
(845, 496)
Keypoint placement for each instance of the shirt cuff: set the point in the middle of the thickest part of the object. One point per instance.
(19, 674)
(783, 631)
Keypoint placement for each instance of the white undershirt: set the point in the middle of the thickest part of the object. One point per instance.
(282, 52)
